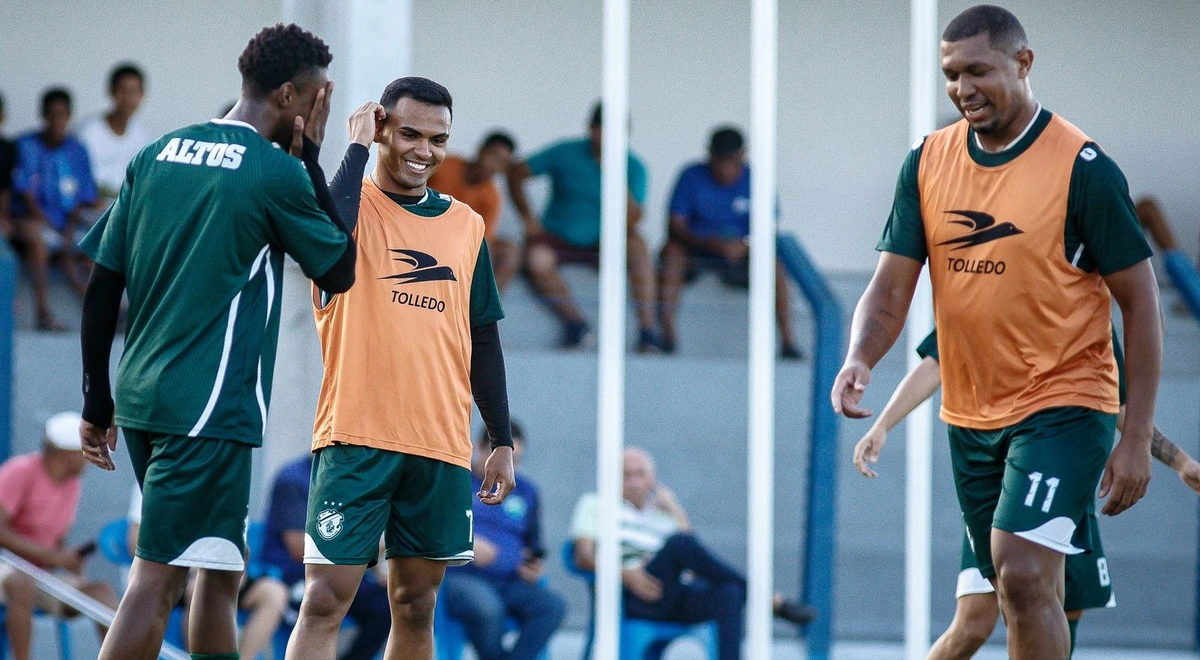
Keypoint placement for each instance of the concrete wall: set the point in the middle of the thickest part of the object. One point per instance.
(533, 67)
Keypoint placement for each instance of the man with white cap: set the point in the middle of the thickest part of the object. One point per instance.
(39, 493)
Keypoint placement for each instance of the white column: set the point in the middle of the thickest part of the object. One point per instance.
(761, 464)
(372, 45)
(919, 428)
(611, 389)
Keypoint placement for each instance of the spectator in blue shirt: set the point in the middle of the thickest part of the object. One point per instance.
(52, 184)
(569, 230)
(283, 548)
(504, 579)
(709, 228)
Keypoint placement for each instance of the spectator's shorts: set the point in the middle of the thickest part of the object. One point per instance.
(1036, 479)
(421, 506)
(1088, 583)
(568, 253)
(195, 499)
(731, 273)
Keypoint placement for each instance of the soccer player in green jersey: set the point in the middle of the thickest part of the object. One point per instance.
(1088, 584)
(196, 238)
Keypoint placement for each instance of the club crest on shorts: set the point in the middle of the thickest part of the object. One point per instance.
(329, 523)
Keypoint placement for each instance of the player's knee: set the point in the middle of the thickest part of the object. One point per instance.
(414, 605)
(1024, 585)
(322, 601)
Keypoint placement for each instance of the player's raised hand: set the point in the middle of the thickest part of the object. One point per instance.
(97, 444)
(498, 479)
(1126, 476)
(867, 451)
(848, 389)
(312, 127)
(364, 123)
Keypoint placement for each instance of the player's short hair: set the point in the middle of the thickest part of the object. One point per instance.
(517, 433)
(280, 54)
(1003, 29)
(498, 137)
(122, 70)
(726, 140)
(419, 89)
(55, 95)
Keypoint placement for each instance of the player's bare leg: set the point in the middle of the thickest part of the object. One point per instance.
(212, 621)
(974, 619)
(328, 592)
(1029, 579)
(141, 621)
(412, 589)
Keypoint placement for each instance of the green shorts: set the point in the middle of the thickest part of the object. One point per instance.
(1088, 584)
(420, 506)
(195, 499)
(1036, 479)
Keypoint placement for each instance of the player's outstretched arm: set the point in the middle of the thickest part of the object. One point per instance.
(1127, 474)
(1170, 454)
(878, 320)
(101, 309)
(918, 385)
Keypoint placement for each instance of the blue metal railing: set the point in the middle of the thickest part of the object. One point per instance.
(817, 549)
(8, 287)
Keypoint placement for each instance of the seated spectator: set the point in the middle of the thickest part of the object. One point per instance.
(569, 230)
(8, 161)
(503, 581)
(283, 548)
(263, 597)
(709, 228)
(472, 182)
(39, 496)
(112, 139)
(1180, 268)
(52, 185)
(667, 573)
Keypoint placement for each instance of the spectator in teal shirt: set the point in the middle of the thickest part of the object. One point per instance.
(569, 230)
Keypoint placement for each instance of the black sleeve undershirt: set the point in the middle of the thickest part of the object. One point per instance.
(346, 186)
(340, 276)
(101, 309)
(488, 383)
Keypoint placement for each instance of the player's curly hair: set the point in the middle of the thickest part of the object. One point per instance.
(279, 54)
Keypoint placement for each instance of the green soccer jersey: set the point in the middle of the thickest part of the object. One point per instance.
(199, 231)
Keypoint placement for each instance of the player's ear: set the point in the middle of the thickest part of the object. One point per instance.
(379, 129)
(286, 94)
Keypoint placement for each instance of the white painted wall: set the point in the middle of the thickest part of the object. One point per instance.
(1121, 71)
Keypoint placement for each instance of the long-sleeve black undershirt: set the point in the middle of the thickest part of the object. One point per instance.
(489, 385)
(101, 309)
(340, 276)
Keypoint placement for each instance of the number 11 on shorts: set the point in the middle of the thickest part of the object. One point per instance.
(1035, 479)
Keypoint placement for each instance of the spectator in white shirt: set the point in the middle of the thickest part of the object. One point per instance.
(114, 138)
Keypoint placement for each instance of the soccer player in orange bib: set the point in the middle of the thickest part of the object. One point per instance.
(1029, 229)
(404, 353)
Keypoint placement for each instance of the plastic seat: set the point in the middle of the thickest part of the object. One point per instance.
(450, 634)
(641, 639)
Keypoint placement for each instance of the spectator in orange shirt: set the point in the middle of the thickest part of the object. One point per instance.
(473, 183)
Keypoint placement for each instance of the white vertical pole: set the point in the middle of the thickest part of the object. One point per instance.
(761, 514)
(918, 488)
(611, 390)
